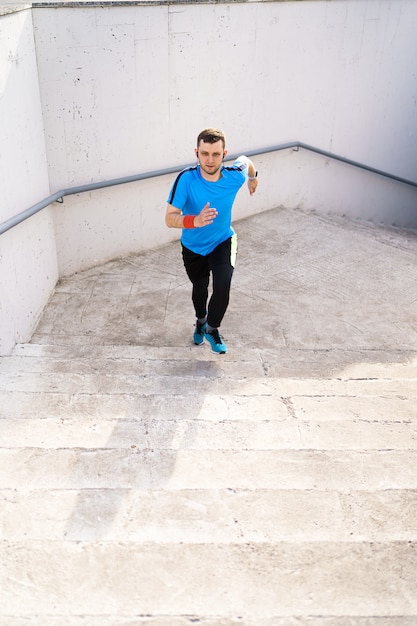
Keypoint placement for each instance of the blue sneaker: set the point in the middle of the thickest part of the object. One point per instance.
(199, 331)
(216, 342)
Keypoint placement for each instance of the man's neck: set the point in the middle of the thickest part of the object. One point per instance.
(211, 178)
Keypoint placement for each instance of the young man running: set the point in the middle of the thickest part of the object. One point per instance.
(200, 202)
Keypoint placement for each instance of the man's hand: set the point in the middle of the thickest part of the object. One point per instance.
(252, 185)
(206, 216)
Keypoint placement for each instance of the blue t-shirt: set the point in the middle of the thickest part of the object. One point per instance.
(191, 192)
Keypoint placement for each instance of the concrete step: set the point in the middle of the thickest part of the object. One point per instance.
(39, 468)
(316, 407)
(275, 362)
(191, 620)
(201, 515)
(152, 406)
(201, 380)
(219, 432)
(260, 579)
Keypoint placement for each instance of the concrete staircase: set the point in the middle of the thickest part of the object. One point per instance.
(148, 482)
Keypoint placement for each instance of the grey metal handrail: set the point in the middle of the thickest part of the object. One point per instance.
(58, 196)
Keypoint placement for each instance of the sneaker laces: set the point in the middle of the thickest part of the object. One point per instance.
(216, 336)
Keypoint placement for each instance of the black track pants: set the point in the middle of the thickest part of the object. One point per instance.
(220, 263)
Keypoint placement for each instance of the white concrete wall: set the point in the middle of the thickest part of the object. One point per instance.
(126, 89)
(28, 264)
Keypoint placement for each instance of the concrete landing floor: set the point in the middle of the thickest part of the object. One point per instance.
(324, 292)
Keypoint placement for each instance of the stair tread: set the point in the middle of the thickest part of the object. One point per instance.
(180, 432)
(208, 515)
(209, 620)
(316, 406)
(188, 469)
(321, 578)
(200, 381)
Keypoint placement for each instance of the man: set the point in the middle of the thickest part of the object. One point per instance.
(200, 202)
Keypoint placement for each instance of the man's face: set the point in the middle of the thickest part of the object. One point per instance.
(211, 156)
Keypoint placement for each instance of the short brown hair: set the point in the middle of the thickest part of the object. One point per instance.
(211, 135)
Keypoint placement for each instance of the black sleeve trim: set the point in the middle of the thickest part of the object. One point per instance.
(176, 181)
(238, 168)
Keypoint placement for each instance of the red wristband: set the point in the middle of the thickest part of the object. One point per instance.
(188, 221)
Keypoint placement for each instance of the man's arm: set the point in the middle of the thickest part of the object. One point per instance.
(252, 177)
(175, 219)
(251, 171)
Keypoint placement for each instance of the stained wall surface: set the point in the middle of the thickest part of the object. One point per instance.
(28, 260)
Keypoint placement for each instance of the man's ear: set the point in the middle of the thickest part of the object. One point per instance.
(224, 153)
